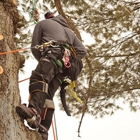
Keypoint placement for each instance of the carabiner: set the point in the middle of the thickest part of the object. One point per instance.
(67, 64)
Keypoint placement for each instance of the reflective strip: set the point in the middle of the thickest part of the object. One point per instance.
(45, 59)
(49, 104)
(45, 87)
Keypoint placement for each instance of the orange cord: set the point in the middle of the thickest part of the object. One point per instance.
(9, 52)
(23, 80)
(53, 131)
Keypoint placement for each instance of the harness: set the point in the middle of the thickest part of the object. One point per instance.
(54, 45)
(67, 51)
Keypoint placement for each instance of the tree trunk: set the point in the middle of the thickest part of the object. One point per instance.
(11, 126)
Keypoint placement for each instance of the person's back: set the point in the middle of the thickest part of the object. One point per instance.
(50, 30)
(56, 29)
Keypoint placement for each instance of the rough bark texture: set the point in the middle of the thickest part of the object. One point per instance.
(11, 126)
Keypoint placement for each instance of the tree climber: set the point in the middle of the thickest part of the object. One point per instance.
(53, 46)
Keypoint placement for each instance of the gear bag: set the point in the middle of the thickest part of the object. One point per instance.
(75, 69)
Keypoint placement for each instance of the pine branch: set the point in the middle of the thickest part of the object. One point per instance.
(110, 56)
(72, 26)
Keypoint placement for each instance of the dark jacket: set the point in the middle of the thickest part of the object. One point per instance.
(55, 29)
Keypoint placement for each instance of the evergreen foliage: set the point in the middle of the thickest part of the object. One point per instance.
(112, 67)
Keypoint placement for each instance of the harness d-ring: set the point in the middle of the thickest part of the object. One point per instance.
(67, 64)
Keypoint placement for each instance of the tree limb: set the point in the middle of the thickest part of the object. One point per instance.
(72, 26)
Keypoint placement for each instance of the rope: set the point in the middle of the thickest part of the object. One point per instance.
(14, 51)
(55, 126)
(9, 52)
(53, 131)
(23, 80)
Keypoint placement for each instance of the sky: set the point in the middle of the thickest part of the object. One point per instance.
(123, 125)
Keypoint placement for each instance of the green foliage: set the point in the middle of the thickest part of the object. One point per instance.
(113, 55)
(24, 33)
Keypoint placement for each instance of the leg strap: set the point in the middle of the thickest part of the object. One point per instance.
(38, 86)
(49, 104)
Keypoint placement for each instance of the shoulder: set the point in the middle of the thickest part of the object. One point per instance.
(43, 23)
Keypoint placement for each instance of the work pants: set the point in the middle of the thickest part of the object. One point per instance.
(50, 72)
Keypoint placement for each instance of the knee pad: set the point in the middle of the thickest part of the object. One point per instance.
(49, 104)
(38, 86)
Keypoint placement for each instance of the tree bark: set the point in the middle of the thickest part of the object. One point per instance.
(11, 126)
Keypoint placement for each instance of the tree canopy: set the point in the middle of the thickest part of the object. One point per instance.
(112, 66)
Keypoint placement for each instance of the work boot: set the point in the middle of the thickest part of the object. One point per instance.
(29, 114)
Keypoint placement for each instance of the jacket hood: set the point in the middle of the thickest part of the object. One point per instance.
(60, 20)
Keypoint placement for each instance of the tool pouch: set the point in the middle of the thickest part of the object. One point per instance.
(75, 69)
